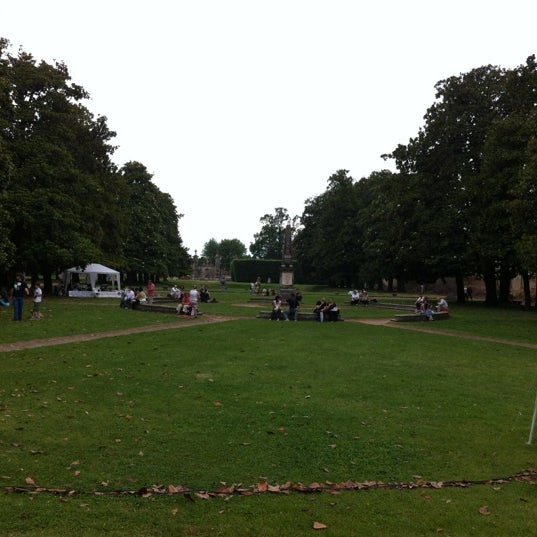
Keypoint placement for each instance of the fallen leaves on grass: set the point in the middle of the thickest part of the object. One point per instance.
(262, 487)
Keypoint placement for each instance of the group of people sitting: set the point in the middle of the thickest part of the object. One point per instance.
(177, 293)
(423, 306)
(359, 297)
(189, 305)
(131, 297)
(293, 303)
(326, 311)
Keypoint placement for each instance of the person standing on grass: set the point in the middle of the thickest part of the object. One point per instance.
(38, 297)
(19, 290)
(150, 292)
(294, 304)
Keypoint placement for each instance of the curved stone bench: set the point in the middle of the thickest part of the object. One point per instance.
(158, 308)
(302, 316)
(417, 317)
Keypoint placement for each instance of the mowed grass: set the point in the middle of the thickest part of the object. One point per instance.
(247, 401)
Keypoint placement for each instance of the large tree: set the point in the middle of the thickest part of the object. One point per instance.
(329, 241)
(268, 242)
(60, 175)
(211, 250)
(153, 246)
(63, 201)
(463, 176)
(226, 250)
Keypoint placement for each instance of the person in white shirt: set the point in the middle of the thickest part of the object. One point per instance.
(355, 297)
(38, 297)
(194, 300)
(128, 298)
(442, 305)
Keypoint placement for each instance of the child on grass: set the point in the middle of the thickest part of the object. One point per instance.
(38, 297)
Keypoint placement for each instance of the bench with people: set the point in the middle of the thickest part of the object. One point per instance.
(359, 298)
(176, 292)
(425, 311)
(131, 298)
(324, 311)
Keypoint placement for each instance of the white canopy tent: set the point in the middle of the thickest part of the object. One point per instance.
(90, 275)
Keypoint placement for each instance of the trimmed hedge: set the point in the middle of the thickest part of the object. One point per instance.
(248, 270)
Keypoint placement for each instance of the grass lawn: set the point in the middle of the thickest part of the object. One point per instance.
(248, 402)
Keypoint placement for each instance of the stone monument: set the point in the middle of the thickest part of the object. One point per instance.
(286, 268)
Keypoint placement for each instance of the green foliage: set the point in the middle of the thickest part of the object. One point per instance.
(226, 251)
(63, 201)
(328, 242)
(268, 242)
(462, 203)
(210, 250)
(153, 246)
(61, 179)
(465, 162)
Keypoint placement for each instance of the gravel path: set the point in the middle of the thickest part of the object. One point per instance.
(34, 343)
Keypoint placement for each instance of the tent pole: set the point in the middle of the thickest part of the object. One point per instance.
(530, 439)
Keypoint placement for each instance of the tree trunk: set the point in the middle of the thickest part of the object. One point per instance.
(401, 284)
(527, 290)
(461, 297)
(47, 281)
(505, 286)
(491, 298)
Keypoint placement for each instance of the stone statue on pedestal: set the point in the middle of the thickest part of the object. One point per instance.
(286, 268)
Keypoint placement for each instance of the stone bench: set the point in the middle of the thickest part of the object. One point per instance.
(165, 300)
(417, 317)
(302, 316)
(158, 308)
(388, 305)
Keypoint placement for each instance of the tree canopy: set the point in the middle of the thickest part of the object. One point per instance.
(226, 251)
(268, 241)
(63, 200)
(462, 202)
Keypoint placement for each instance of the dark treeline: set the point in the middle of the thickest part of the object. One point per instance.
(462, 202)
(62, 200)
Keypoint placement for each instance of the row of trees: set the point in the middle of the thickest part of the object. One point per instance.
(63, 202)
(267, 244)
(462, 202)
(224, 251)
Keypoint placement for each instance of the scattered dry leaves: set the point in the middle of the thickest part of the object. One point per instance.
(484, 510)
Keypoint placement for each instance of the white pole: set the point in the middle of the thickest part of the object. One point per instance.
(530, 439)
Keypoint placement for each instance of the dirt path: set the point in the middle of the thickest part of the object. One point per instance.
(34, 343)
(209, 319)
(450, 333)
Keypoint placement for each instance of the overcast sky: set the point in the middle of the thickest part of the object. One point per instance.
(240, 106)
